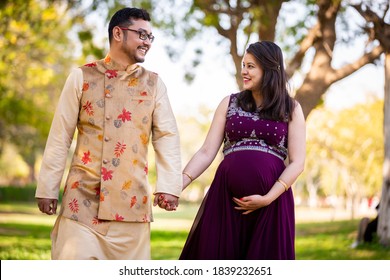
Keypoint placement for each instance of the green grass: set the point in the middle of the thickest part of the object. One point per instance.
(332, 241)
(25, 235)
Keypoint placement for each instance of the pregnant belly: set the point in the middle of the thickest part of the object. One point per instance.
(251, 172)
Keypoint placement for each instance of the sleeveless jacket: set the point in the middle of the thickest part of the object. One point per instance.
(119, 111)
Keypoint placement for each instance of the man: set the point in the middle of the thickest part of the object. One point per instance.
(367, 230)
(116, 106)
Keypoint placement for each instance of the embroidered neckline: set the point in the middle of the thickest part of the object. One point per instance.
(110, 64)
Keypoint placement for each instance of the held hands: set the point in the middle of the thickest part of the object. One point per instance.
(166, 201)
(47, 205)
(250, 203)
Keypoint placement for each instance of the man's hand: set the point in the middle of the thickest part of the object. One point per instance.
(47, 205)
(166, 201)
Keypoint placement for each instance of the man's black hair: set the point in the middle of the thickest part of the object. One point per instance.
(124, 17)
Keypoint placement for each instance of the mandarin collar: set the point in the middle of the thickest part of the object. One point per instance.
(111, 64)
(110, 68)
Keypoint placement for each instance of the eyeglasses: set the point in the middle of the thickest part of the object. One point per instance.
(142, 35)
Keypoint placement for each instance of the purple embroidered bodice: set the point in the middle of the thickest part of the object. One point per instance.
(247, 131)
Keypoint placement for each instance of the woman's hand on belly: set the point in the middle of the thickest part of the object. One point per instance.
(250, 203)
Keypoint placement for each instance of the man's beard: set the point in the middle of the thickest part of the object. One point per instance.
(132, 56)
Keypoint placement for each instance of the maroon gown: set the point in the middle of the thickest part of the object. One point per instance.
(254, 152)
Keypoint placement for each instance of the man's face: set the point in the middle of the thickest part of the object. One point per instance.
(132, 45)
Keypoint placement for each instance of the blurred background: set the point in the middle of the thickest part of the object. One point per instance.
(336, 53)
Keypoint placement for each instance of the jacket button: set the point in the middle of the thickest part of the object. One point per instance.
(108, 95)
(105, 161)
(107, 138)
(108, 117)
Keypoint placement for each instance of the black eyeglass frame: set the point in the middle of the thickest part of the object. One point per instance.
(142, 34)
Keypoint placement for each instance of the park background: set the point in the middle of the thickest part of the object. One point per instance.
(41, 41)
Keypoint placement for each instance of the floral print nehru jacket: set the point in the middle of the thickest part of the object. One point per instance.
(116, 114)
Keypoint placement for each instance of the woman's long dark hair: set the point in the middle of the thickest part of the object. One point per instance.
(277, 103)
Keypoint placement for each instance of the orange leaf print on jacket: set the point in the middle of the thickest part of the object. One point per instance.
(119, 149)
(86, 157)
(85, 86)
(74, 206)
(101, 196)
(88, 108)
(107, 90)
(133, 82)
(127, 185)
(144, 138)
(107, 174)
(145, 199)
(75, 185)
(133, 201)
(144, 93)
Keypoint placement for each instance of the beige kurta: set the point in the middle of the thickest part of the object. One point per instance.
(123, 241)
(116, 114)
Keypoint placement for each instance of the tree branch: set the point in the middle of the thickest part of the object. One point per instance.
(307, 43)
(346, 70)
(380, 30)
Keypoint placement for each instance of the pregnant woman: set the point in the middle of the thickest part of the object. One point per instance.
(248, 212)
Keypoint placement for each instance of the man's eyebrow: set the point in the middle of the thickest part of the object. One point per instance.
(143, 30)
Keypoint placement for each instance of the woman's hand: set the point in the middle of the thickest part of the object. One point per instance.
(250, 203)
(166, 201)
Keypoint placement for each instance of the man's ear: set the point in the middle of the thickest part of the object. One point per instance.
(117, 34)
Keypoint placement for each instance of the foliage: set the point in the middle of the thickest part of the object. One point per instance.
(345, 151)
(190, 143)
(27, 193)
(35, 54)
(19, 194)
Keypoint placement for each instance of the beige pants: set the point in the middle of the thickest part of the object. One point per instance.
(124, 241)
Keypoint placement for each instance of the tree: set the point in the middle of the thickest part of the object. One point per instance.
(379, 30)
(35, 53)
(344, 153)
(313, 38)
(310, 40)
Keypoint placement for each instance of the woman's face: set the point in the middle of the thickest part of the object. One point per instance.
(251, 73)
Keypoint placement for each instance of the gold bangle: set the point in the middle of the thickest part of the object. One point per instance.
(283, 183)
(189, 176)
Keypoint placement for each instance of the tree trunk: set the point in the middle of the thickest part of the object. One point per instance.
(31, 176)
(384, 210)
(312, 189)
